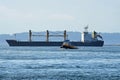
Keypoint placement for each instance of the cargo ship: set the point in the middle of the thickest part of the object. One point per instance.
(87, 39)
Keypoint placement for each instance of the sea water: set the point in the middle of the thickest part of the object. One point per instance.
(55, 63)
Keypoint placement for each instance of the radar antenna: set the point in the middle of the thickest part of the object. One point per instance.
(86, 28)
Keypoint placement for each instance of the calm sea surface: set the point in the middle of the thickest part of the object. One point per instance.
(54, 63)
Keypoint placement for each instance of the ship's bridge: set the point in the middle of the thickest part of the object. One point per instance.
(88, 37)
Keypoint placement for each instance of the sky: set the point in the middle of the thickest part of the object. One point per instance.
(18, 16)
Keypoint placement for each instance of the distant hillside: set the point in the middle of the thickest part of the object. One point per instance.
(109, 38)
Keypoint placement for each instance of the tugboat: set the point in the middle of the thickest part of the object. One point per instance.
(67, 45)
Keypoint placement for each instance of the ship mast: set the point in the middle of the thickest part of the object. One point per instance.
(47, 35)
(30, 35)
(65, 35)
(86, 28)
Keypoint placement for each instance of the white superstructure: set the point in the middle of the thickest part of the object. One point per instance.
(86, 37)
(89, 37)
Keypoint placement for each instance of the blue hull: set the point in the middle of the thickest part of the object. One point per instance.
(54, 43)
